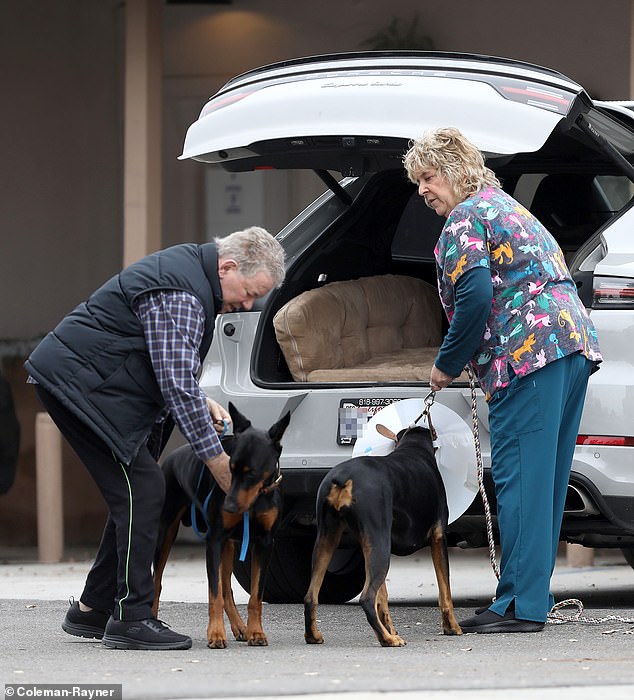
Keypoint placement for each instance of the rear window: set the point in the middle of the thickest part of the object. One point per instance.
(617, 190)
(573, 206)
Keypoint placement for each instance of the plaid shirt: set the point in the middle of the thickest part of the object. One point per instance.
(173, 323)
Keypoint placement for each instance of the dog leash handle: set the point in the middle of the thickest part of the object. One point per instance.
(224, 424)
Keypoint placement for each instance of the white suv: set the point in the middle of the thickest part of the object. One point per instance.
(354, 326)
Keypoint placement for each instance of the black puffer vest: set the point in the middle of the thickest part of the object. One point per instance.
(96, 361)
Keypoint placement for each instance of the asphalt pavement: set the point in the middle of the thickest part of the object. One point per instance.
(577, 660)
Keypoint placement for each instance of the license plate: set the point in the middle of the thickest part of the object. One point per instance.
(354, 415)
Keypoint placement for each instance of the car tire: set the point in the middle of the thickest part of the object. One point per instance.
(288, 576)
(628, 553)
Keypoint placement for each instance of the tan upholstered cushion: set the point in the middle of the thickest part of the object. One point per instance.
(408, 365)
(363, 326)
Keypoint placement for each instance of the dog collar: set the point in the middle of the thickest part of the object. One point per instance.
(276, 478)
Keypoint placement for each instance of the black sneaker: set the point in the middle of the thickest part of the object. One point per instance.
(89, 624)
(143, 634)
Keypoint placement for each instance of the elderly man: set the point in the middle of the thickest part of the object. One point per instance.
(115, 375)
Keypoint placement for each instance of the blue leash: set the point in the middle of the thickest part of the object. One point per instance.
(192, 507)
(245, 537)
(245, 523)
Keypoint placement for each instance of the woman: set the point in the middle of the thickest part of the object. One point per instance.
(515, 316)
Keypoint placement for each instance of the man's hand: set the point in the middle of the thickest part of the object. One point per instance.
(219, 468)
(219, 415)
(438, 379)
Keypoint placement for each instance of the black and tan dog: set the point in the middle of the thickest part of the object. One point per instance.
(254, 456)
(394, 504)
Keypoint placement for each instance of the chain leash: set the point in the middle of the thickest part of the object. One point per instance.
(554, 616)
(426, 413)
(480, 472)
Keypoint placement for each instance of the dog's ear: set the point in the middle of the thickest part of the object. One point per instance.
(276, 431)
(386, 432)
(240, 422)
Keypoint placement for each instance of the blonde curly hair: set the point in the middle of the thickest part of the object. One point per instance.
(454, 157)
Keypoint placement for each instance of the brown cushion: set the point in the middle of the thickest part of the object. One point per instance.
(363, 324)
(408, 365)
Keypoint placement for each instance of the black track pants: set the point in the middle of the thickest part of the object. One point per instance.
(121, 577)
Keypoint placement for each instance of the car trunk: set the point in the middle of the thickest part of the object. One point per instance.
(562, 156)
(387, 230)
(552, 149)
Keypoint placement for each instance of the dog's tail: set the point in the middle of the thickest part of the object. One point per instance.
(340, 495)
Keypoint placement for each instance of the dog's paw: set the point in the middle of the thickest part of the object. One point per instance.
(239, 632)
(393, 641)
(314, 638)
(449, 623)
(258, 640)
(217, 643)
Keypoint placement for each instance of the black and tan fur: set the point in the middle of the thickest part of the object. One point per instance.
(254, 456)
(394, 504)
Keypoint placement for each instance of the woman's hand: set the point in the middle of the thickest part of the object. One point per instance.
(438, 379)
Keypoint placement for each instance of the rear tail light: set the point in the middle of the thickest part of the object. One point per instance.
(539, 94)
(605, 440)
(613, 293)
(553, 100)
(215, 104)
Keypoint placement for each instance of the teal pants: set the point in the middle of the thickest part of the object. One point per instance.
(534, 424)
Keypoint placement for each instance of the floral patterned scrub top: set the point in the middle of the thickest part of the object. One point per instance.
(536, 315)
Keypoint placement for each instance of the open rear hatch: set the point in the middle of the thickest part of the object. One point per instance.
(355, 113)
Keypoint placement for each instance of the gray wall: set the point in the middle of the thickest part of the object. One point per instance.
(588, 41)
(60, 197)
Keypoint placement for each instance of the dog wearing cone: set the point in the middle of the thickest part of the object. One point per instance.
(392, 504)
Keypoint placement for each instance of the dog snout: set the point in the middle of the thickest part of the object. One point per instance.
(240, 500)
(230, 505)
